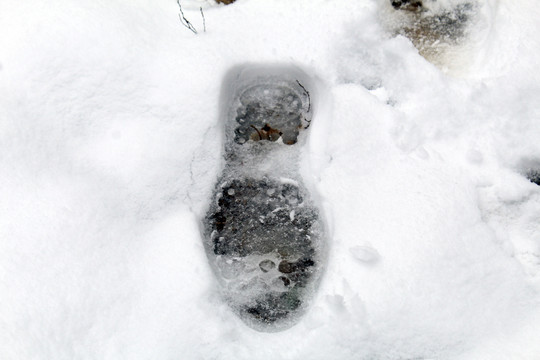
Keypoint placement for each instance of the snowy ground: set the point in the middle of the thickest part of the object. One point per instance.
(110, 145)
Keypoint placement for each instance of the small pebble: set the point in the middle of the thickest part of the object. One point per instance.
(267, 265)
(364, 254)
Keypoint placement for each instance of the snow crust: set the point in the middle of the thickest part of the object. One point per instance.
(110, 144)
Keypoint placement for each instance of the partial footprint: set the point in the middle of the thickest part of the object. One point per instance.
(440, 30)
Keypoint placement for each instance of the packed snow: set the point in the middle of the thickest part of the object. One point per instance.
(111, 143)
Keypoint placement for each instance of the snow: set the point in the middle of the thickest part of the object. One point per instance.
(110, 145)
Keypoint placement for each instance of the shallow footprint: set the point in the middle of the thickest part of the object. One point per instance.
(264, 235)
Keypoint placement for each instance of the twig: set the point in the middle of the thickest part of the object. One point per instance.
(203, 19)
(260, 136)
(307, 93)
(309, 103)
(183, 19)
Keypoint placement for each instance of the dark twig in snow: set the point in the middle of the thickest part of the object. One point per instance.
(258, 132)
(183, 19)
(307, 93)
(309, 103)
(203, 19)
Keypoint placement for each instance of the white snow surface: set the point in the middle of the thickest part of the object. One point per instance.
(110, 145)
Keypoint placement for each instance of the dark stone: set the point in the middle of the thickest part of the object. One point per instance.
(285, 280)
(286, 267)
